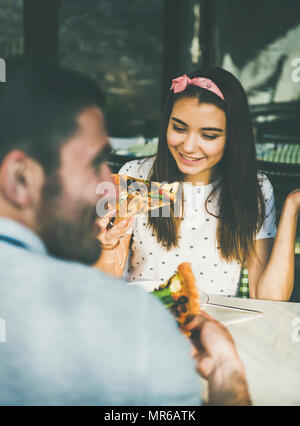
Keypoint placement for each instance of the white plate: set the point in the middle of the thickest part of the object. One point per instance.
(225, 314)
(228, 316)
(152, 285)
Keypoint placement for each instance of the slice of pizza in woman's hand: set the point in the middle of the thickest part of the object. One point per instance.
(180, 294)
(138, 196)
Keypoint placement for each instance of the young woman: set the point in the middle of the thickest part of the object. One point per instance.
(228, 214)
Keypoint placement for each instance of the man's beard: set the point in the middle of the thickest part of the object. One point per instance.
(67, 231)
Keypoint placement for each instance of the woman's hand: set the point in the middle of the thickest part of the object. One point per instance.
(292, 201)
(110, 237)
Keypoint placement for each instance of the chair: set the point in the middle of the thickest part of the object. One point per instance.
(243, 290)
(277, 122)
(116, 161)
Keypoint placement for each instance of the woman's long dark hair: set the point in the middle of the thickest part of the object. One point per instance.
(241, 203)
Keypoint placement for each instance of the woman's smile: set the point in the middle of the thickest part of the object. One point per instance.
(190, 160)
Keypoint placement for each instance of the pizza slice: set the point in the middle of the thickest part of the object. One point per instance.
(180, 295)
(138, 196)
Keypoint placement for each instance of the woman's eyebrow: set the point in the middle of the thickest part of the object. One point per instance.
(207, 129)
(179, 121)
(214, 129)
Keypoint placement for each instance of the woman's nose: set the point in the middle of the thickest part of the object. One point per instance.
(191, 143)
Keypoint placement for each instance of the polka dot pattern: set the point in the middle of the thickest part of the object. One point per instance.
(197, 244)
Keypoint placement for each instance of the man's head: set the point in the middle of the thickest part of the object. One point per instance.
(53, 143)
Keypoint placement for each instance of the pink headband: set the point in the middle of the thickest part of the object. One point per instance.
(180, 84)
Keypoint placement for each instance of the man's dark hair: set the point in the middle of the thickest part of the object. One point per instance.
(39, 105)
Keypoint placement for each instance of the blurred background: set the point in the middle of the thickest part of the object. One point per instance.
(133, 48)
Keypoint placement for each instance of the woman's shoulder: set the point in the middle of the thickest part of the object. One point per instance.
(139, 168)
(264, 182)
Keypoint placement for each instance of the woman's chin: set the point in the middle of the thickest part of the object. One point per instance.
(190, 170)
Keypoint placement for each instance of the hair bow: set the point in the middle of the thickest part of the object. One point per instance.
(179, 84)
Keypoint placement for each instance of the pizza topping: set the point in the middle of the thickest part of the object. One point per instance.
(180, 294)
(175, 284)
(138, 196)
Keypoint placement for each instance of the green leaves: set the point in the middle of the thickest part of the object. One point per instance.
(164, 295)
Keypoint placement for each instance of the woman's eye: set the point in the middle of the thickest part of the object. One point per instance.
(210, 136)
(179, 129)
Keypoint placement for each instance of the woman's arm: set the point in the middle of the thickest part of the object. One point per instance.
(271, 267)
(113, 261)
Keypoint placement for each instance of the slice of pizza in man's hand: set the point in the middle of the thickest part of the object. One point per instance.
(180, 295)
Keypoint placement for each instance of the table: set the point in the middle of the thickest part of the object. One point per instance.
(269, 346)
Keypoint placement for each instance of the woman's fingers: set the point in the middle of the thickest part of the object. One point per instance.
(116, 232)
(103, 222)
(119, 229)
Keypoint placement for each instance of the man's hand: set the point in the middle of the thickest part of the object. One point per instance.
(214, 345)
(218, 361)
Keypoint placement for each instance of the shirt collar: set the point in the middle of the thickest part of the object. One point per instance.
(11, 228)
(207, 187)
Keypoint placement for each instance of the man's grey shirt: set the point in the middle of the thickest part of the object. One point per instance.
(75, 336)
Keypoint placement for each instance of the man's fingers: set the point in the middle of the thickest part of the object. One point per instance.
(205, 366)
(199, 320)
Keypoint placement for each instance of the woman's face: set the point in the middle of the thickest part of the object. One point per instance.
(196, 138)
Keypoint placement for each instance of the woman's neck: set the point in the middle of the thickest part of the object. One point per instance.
(203, 178)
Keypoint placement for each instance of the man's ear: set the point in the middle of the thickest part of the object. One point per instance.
(18, 175)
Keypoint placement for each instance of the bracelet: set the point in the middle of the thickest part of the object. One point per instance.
(111, 248)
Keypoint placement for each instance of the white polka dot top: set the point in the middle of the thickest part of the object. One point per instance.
(149, 260)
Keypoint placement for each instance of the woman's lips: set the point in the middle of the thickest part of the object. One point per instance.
(189, 162)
